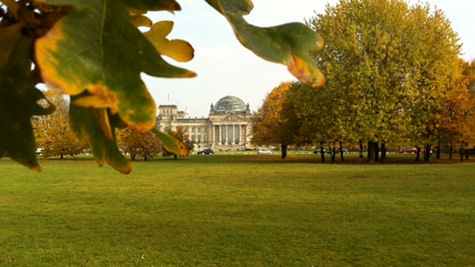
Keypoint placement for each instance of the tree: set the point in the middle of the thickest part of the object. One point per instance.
(136, 143)
(276, 122)
(467, 130)
(93, 51)
(436, 73)
(387, 65)
(53, 134)
(454, 123)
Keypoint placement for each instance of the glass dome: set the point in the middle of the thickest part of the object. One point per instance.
(230, 104)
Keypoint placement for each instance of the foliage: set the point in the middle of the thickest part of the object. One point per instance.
(467, 129)
(53, 134)
(93, 51)
(436, 73)
(136, 143)
(276, 122)
(389, 66)
(180, 135)
(18, 97)
(457, 109)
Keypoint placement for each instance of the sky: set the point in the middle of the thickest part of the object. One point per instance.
(225, 67)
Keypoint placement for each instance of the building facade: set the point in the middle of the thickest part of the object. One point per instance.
(227, 128)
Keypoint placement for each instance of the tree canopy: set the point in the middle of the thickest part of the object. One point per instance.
(276, 122)
(53, 134)
(390, 67)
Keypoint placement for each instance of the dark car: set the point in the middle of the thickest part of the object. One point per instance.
(337, 151)
(317, 151)
(206, 152)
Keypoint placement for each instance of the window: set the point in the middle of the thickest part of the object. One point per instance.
(223, 134)
(230, 133)
(237, 136)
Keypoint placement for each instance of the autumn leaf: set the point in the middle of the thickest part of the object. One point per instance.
(152, 5)
(179, 50)
(93, 125)
(289, 44)
(97, 49)
(171, 144)
(141, 21)
(18, 98)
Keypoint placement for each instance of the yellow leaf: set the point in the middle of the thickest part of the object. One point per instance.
(179, 50)
(140, 21)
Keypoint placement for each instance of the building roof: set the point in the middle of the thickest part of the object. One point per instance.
(230, 104)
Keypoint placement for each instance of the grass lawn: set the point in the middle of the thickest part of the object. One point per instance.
(237, 210)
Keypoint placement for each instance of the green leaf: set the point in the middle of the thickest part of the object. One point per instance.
(96, 48)
(93, 125)
(289, 44)
(18, 98)
(171, 144)
(153, 5)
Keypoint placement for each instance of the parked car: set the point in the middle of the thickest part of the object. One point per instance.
(344, 151)
(409, 151)
(337, 151)
(317, 151)
(413, 151)
(264, 151)
(206, 152)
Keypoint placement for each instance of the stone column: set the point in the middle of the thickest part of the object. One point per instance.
(210, 134)
(245, 135)
(238, 136)
(242, 141)
(220, 134)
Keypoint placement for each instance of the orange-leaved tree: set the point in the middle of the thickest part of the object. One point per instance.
(276, 121)
(137, 143)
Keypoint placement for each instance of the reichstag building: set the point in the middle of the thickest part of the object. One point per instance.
(227, 128)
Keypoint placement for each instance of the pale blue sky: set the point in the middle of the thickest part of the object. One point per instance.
(224, 67)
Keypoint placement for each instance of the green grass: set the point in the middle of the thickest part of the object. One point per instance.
(237, 210)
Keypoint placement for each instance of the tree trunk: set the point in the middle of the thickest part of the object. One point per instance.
(322, 152)
(376, 151)
(383, 152)
(133, 156)
(427, 153)
(333, 152)
(61, 155)
(283, 150)
(145, 157)
(461, 151)
(451, 149)
(438, 149)
(418, 154)
(175, 156)
(361, 149)
(467, 151)
(371, 150)
(341, 151)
